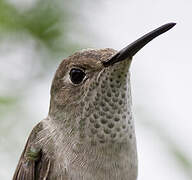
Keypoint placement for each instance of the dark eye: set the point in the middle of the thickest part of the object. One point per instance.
(76, 75)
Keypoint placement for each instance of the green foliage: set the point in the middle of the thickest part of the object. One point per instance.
(183, 160)
(47, 22)
(6, 104)
(5, 101)
(9, 16)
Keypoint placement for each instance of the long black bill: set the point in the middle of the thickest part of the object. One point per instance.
(130, 50)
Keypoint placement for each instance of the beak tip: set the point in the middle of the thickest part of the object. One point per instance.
(170, 25)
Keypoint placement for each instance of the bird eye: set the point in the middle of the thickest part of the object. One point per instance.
(76, 75)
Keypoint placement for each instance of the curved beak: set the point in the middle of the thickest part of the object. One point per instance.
(130, 50)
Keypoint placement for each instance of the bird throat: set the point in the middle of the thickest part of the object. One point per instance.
(106, 117)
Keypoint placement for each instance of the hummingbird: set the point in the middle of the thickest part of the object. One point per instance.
(89, 132)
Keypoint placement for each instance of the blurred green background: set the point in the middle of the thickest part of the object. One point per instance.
(35, 35)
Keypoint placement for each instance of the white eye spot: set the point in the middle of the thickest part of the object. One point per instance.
(66, 78)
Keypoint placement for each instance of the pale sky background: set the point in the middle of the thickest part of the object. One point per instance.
(161, 75)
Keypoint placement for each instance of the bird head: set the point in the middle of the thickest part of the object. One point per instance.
(90, 92)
